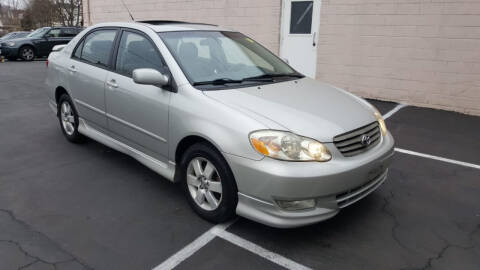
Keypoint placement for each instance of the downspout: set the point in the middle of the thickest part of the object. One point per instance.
(88, 12)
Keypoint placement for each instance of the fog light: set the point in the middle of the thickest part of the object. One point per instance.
(297, 205)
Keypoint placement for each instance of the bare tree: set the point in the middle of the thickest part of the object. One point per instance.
(69, 12)
(40, 13)
(11, 12)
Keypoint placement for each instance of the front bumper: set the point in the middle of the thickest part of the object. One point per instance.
(334, 184)
(8, 52)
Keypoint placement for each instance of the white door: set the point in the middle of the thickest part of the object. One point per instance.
(299, 34)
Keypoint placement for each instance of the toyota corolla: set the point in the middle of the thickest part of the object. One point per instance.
(212, 109)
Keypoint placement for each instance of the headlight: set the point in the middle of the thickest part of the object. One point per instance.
(288, 146)
(381, 122)
(10, 44)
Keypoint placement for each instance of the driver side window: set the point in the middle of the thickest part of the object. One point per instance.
(54, 33)
(136, 51)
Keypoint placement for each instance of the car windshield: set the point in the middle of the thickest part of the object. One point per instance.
(213, 58)
(39, 32)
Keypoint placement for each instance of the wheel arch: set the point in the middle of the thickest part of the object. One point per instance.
(59, 91)
(184, 144)
(27, 45)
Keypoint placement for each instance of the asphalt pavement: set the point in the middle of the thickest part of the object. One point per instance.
(66, 206)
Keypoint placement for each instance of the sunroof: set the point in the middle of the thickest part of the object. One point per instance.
(160, 22)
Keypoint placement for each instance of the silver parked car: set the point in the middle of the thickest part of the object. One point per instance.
(212, 109)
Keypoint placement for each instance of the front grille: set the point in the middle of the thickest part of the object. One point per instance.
(355, 142)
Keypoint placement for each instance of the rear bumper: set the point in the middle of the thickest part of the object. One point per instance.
(334, 184)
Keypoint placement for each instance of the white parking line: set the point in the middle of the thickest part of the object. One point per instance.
(260, 251)
(453, 161)
(394, 110)
(191, 248)
(220, 231)
(409, 152)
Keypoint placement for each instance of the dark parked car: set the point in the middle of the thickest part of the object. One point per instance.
(39, 43)
(13, 35)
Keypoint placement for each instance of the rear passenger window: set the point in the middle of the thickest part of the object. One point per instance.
(136, 51)
(97, 47)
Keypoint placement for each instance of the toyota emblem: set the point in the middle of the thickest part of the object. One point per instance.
(366, 140)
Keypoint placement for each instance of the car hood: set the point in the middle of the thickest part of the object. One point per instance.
(306, 107)
(18, 40)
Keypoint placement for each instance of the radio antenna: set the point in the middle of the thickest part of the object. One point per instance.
(129, 13)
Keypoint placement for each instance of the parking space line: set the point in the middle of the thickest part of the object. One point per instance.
(193, 247)
(453, 161)
(260, 251)
(409, 152)
(394, 110)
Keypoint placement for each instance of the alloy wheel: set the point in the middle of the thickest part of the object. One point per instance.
(68, 120)
(27, 54)
(204, 183)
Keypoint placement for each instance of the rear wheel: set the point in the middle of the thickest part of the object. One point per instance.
(27, 53)
(209, 183)
(68, 116)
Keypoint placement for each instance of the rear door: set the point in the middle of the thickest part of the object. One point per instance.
(88, 69)
(138, 114)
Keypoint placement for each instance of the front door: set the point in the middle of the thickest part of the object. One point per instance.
(138, 114)
(50, 39)
(299, 34)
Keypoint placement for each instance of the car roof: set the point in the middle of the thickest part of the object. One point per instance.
(166, 26)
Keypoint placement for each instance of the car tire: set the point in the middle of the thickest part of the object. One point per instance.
(68, 117)
(202, 186)
(27, 53)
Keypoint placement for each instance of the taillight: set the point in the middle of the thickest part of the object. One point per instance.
(46, 63)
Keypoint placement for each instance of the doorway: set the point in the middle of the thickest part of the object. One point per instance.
(299, 34)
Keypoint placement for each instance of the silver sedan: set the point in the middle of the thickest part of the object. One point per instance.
(239, 129)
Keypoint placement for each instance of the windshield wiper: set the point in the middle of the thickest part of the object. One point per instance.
(221, 81)
(271, 76)
(261, 78)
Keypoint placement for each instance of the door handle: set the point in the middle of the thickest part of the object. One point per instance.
(313, 41)
(72, 69)
(112, 83)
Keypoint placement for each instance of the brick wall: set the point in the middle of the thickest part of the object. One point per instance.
(423, 52)
(259, 19)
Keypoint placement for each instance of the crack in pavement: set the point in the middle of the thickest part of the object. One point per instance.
(440, 254)
(36, 258)
(448, 245)
(396, 223)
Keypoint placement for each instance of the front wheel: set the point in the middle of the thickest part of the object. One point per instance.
(27, 53)
(209, 183)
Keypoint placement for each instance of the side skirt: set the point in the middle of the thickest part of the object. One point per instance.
(165, 170)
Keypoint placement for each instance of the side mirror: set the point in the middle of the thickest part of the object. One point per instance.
(150, 76)
(47, 36)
